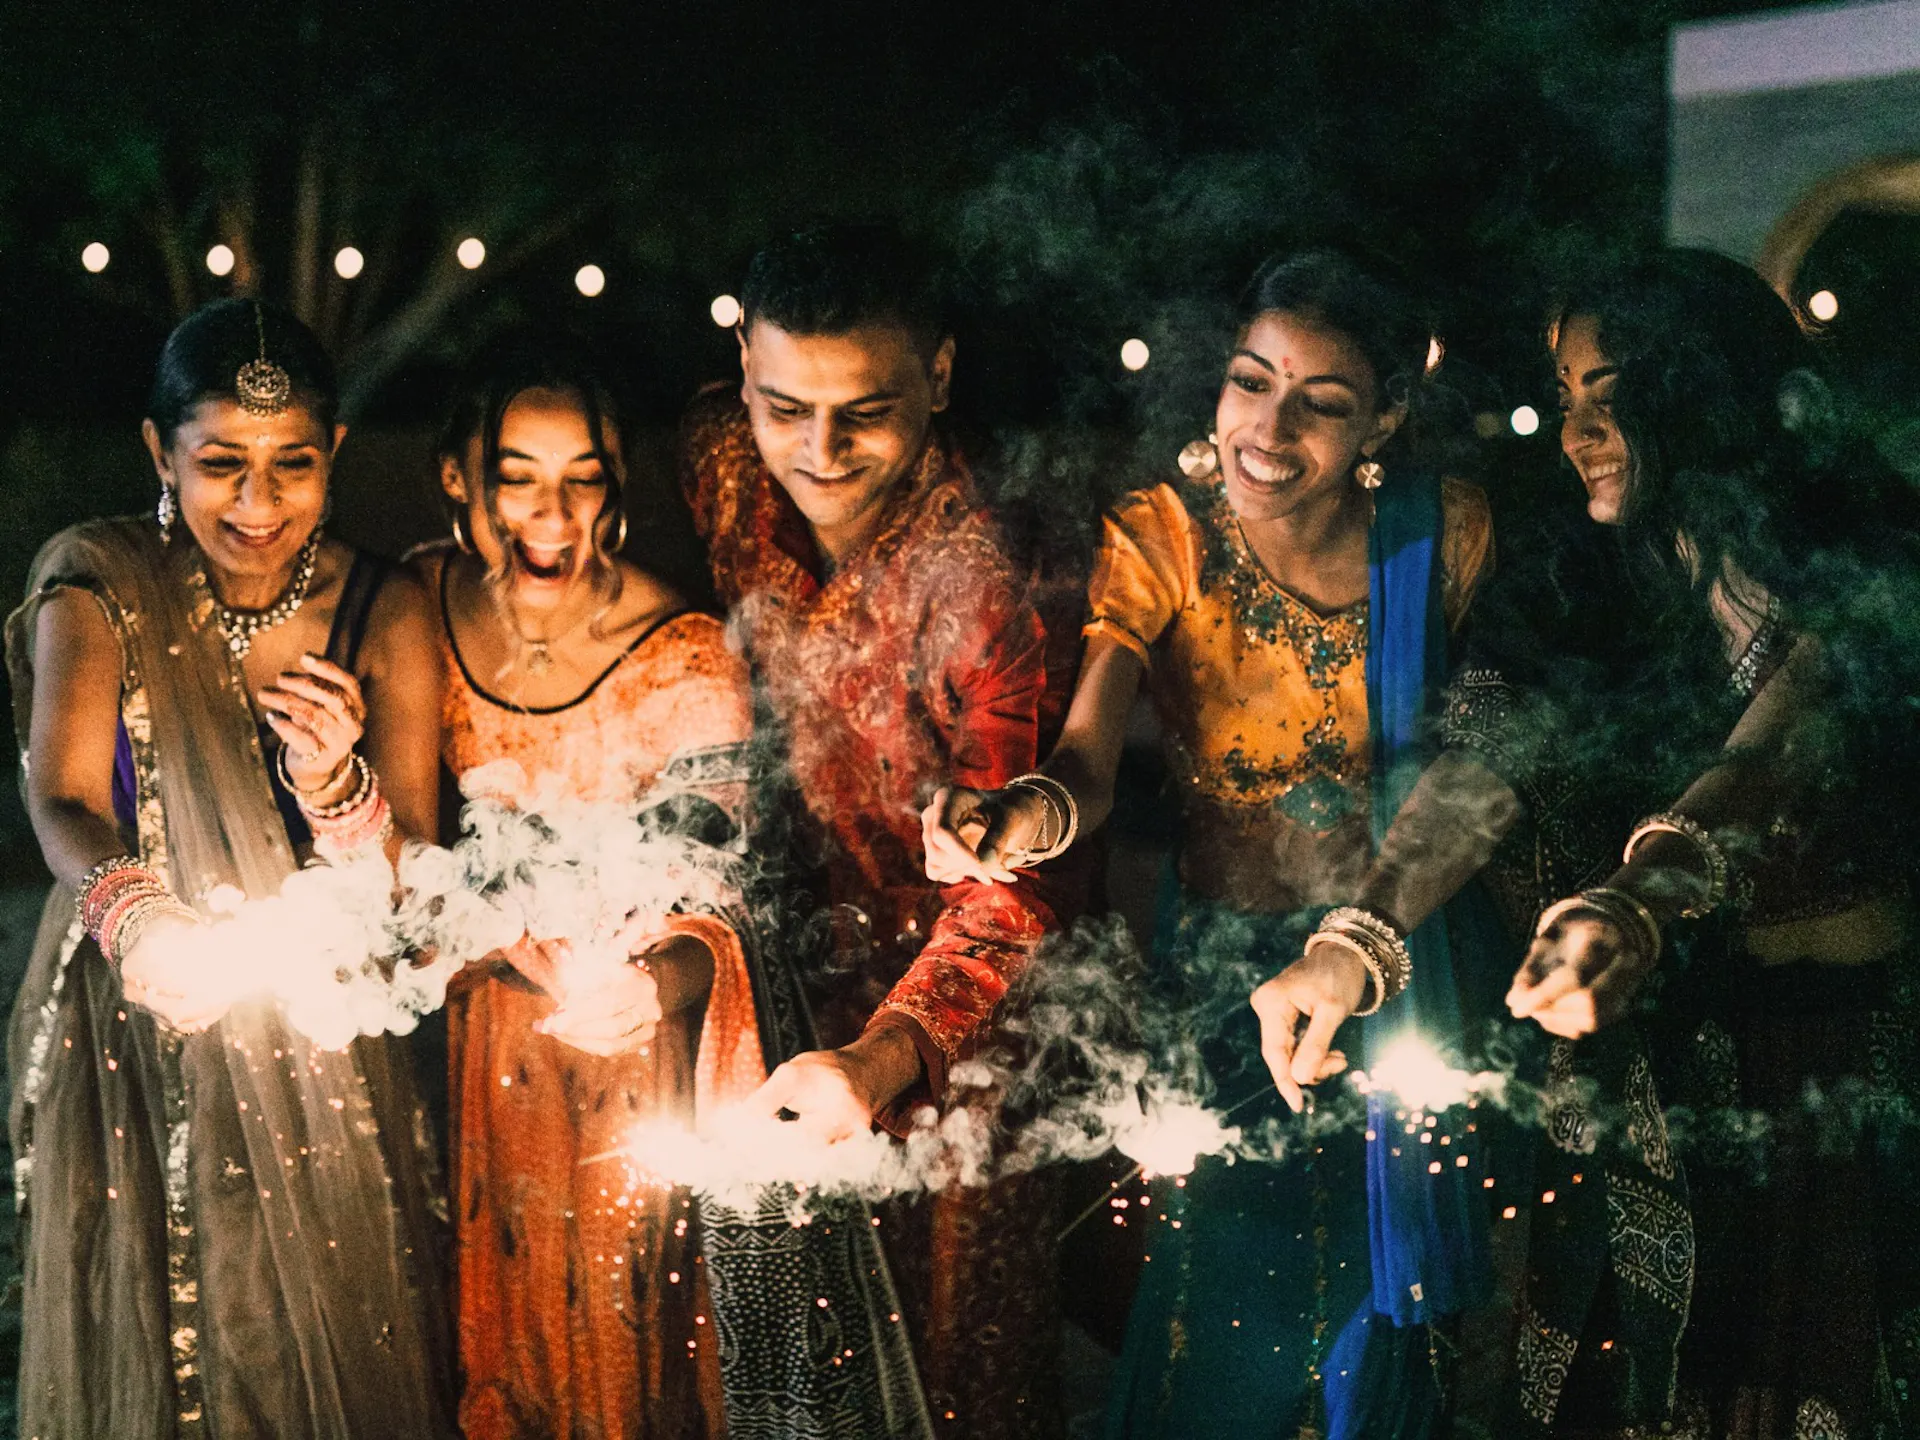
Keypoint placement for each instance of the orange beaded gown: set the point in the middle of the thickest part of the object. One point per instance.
(582, 1296)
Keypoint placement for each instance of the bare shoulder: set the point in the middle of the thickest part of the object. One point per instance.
(403, 624)
(644, 601)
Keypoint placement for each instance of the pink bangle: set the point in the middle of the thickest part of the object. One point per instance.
(368, 824)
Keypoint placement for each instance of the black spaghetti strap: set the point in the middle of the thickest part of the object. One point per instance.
(365, 577)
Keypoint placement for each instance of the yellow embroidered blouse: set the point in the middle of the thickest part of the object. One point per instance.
(1262, 700)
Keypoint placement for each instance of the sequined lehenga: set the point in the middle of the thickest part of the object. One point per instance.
(225, 1234)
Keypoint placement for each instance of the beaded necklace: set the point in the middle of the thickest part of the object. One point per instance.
(240, 626)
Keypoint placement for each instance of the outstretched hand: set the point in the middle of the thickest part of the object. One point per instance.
(980, 834)
(1322, 988)
(170, 973)
(834, 1094)
(821, 1092)
(1581, 974)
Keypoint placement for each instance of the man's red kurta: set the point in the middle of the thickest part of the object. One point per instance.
(920, 662)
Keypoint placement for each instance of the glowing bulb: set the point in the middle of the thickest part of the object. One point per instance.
(1436, 352)
(95, 258)
(471, 253)
(220, 259)
(1525, 420)
(1134, 354)
(725, 311)
(349, 262)
(1823, 305)
(589, 280)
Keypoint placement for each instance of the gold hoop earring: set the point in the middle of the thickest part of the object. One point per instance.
(620, 540)
(1199, 459)
(1370, 474)
(464, 545)
(165, 512)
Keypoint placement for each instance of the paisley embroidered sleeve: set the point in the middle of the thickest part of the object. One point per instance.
(1499, 726)
(985, 934)
(1143, 570)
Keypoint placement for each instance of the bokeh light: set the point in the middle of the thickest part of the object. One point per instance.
(1823, 305)
(1525, 420)
(1135, 354)
(471, 253)
(220, 260)
(589, 280)
(725, 311)
(95, 257)
(349, 262)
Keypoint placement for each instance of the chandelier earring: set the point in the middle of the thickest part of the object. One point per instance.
(165, 512)
(1201, 458)
(1370, 474)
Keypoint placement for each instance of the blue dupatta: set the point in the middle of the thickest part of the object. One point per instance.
(1427, 1232)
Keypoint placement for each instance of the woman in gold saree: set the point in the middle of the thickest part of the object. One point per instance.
(225, 1233)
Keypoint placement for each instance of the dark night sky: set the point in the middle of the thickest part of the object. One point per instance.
(1475, 141)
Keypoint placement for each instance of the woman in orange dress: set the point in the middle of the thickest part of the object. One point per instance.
(581, 1297)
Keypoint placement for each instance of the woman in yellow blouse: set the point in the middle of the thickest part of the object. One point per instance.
(1288, 608)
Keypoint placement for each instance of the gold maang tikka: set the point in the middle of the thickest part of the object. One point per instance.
(262, 387)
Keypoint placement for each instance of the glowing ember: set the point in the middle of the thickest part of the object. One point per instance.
(1169, 1136)
(1418, 1075)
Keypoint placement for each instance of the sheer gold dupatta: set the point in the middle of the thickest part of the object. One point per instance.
(219, 1230)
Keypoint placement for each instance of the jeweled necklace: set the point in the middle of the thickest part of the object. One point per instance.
(240, 626)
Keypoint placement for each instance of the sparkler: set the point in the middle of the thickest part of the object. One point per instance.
(360, 948)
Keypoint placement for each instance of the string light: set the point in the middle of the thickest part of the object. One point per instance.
(471, 253)
(1823, 305)
(725, 311)
(1525, 420)
(589, 280)
(95, 257)
(348, 262)
(1135, 354)
(220, 260)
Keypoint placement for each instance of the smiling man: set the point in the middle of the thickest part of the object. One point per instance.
(897, 650)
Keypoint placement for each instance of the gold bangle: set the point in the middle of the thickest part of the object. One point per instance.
(1615, 906)
(1671, 822)
(1610, 900)
(1360, 952)
(1059, 797)
(1381, 937)
(341, 807)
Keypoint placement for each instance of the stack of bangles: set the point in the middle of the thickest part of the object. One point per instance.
(1059, 823)
(1624, 911)
(1376, 943)
(360, 821)
(119, 899)
(1712, 858)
